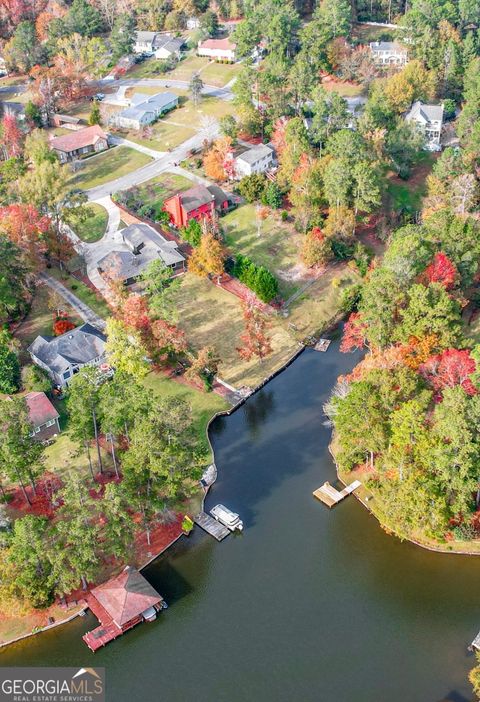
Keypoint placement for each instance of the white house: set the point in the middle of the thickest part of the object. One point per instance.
(162, 46)
(258, 159)
(63, 356)
(429, 119)
(218, 49)
(389, 53)
(144, 110)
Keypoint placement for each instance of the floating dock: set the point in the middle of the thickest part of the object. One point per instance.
(322, 345)
(330, 496)
(211, 526)
(475, 643)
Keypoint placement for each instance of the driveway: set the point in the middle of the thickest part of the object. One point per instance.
(83, 310)
(211, 90)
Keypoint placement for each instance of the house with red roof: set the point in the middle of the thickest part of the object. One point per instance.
(84, 141)
(43, 416)
(218, 49)
(120, 604)
(196, 203)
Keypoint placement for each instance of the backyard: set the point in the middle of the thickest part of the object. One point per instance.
(117, 162)
(215, 319)
(276, 248)
(406, 195)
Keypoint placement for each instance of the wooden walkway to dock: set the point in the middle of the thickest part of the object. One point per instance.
(330, 496)
(211, 526)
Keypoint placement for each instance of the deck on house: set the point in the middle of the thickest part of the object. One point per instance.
(330, 496)
(211, 526)
(107, 631)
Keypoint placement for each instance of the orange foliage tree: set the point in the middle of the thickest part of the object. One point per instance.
(62, 326)
(218, 161)
(255, 341)
(208, 257)
(26, 228)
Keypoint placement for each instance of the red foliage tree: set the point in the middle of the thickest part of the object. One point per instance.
(450, 368)
(354, 334)
(61, 326)
(441, 270)
(255, 341)
(169, 338)
(278, 135)
(26, 228)
(12, 136)
(135, 313)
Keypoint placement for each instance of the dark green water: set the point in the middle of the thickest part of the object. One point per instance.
(308, 605)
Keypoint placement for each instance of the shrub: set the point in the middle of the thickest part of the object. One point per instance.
(252, 187)
(61, 326)
(257, 278)
(284, 215)
(272, 196)
(34, 379)
(350, 298)
(342, 250)
(192, 233)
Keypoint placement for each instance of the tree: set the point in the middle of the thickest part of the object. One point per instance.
(229, 127)
(333, 19)
(272, 196)
(204, 366)
(208, 258)
(37, 148)
(252, 187)
(122, 400)
(34, 379)
(218, 161)
(254, 339)
(195, 88)
(95, 117)
(430, 310)
(12, 136)
(306, 193)
(9, 365)
(161, 288)
(83, 18)
(23, 50)
(27, 229)
(20, 456)
(449, 369)
(192, 232)
(330, 114)
(28, 555)
(442, 270)
(119, 526)
(209, 23)
(122, 37)
(135, 314)
(316, 248)
(355, 334)
(14, 281)
(169, 338)
(125, 350)
(83, 403)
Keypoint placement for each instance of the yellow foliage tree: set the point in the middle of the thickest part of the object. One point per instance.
(218, 161)
(208, 258)
(414, 82)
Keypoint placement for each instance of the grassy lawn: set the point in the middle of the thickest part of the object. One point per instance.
(39, 320)
(150, 68)
(220, 73)
(189, 115)
(346, 90)
(82, 291)
(152, 90)
(319, 304)
(95, 226)
(111, 164)
(163, 186)
(364, 33)
(187, 67)
(211, 316)
(204, 404)
(166, 135)
(407, 195)
(276, 248)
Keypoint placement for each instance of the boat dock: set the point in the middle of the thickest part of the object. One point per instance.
(322, 345)
(330, 496)
(211, 526)
(475, 643)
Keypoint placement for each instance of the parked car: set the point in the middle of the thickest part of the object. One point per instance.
(98, 96)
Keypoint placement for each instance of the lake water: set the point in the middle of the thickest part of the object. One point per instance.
(308, 604)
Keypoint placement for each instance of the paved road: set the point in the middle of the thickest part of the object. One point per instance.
(159, 165)
(83, 310)
(211, 90)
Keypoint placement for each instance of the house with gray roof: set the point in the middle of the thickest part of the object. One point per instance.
(141, 245)
(160, 45)
(258, 159)
(389, 53)
(145, 110)
(429, 120)
(63, 356)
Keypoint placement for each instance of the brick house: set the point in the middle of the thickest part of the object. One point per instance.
(196, 203)
(84, 141)
(43, 416)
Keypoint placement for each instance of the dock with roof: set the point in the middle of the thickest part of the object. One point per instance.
(330, 496)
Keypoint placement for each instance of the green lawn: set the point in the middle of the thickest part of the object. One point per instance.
(211, 316)
(346, 90)
(191, 116)
(204, 404)
(150, 68)
(165, 135)
(220, 73)
(82, 291)
(276, 248)
(94, 227)
(163, 186)
(39, 320)
(187, 67)
(407, 195)
(111, 164)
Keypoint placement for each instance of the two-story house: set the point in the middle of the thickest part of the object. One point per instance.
(196, 203)
(429, 119)
(162, 46)
(63, 356)
(389, 53)
(258, 159)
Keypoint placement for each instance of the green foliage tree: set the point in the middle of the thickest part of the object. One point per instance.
(252, 187)
(83, 18)
(122, 37)
(95, 116)
(28, 554)
(9, 365)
